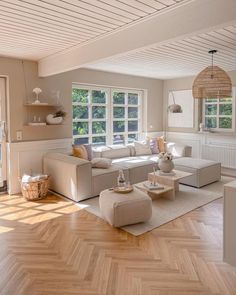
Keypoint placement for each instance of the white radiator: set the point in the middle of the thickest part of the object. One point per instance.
(222, 153)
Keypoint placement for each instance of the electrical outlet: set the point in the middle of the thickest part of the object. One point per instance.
(19, 135)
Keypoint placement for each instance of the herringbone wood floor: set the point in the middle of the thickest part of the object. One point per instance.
(53, 247)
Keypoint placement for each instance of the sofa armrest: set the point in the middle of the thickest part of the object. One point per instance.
(179, 149)
(70, 176)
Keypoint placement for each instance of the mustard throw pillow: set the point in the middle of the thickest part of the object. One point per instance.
(161, 144)
(80, 151)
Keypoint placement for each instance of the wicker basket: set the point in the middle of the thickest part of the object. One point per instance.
(35, 190)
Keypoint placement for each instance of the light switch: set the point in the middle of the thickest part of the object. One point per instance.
(19, 135)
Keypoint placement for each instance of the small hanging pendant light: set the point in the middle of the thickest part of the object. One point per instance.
(212, 82)
(174, 108)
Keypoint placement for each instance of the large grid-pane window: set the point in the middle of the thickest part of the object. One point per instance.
(218, 113)
(126, 121)
(89, 115)
(106, 116)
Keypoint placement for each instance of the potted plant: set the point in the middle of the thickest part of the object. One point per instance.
(56, 118)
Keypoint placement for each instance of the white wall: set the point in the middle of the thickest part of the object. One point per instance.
(214, 146)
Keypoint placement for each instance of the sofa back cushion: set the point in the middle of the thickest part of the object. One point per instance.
(142, 148)
(97, 151)
(116, 152)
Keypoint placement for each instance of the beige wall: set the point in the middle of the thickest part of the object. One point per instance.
(19, 93)
(63, 83)
(184, 84)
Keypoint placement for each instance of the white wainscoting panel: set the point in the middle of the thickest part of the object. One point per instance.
(191, 139)
(211, 146)
(26, 157)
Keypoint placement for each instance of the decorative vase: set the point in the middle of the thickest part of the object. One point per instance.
(54, 121)
(166, 166)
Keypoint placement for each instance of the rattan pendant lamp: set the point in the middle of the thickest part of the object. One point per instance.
(212, 82)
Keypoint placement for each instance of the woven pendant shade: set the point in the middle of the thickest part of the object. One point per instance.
(212, 82)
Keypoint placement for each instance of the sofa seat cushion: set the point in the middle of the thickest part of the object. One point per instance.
(194, 162)
(101, 171)
(138, 167)
(106, 178)
(131, 162)
(203, 171)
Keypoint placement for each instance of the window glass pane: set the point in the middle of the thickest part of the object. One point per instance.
(132, 112)
(227, 99)
(210, 122)
(98, 96)
(82, 140)
(132, 137)
(133, 126)
(118, 112)
(98, 127)
(225, 109)
(80, 128)
(132, 98)
(211, 99)
(80, 112)
(225, 123)
(99, 112)
(99, 140)
(80, 95)
(211, 109)
(118, 139)
(118, 97)
(118, 126)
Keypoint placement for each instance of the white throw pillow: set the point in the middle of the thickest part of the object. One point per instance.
(103, 163)
(142, 148)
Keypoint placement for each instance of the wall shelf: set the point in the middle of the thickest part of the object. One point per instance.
(41, 105)
(43, 126)
(38, 112)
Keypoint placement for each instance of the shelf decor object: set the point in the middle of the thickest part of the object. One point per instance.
(56, 118)
(212, 82)
(37, 91)
(51, 120)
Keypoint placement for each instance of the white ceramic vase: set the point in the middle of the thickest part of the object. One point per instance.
(166, 166)
(53, 121)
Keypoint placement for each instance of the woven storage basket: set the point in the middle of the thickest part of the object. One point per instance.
(35, 190)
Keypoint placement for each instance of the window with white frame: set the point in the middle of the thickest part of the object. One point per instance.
(106, 115)
(219, 113)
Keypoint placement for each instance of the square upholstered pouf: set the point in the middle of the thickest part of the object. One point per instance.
(124, 209)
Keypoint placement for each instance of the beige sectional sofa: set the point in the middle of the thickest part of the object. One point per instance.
(76, 179)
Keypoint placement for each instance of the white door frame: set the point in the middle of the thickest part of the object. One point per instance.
(4, 91)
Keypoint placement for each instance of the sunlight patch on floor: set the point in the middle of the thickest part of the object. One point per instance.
(4, 229)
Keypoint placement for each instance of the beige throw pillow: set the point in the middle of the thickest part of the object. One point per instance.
(80, 151)
(103, 163)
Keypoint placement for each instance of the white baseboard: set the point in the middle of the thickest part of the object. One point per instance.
(27, 157)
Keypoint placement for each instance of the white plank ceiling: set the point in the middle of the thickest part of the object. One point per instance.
(33, 29)
(181, 58)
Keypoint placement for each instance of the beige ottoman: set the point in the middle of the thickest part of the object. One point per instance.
(124, 209)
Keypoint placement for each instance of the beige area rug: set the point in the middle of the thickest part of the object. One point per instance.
(163, 210)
